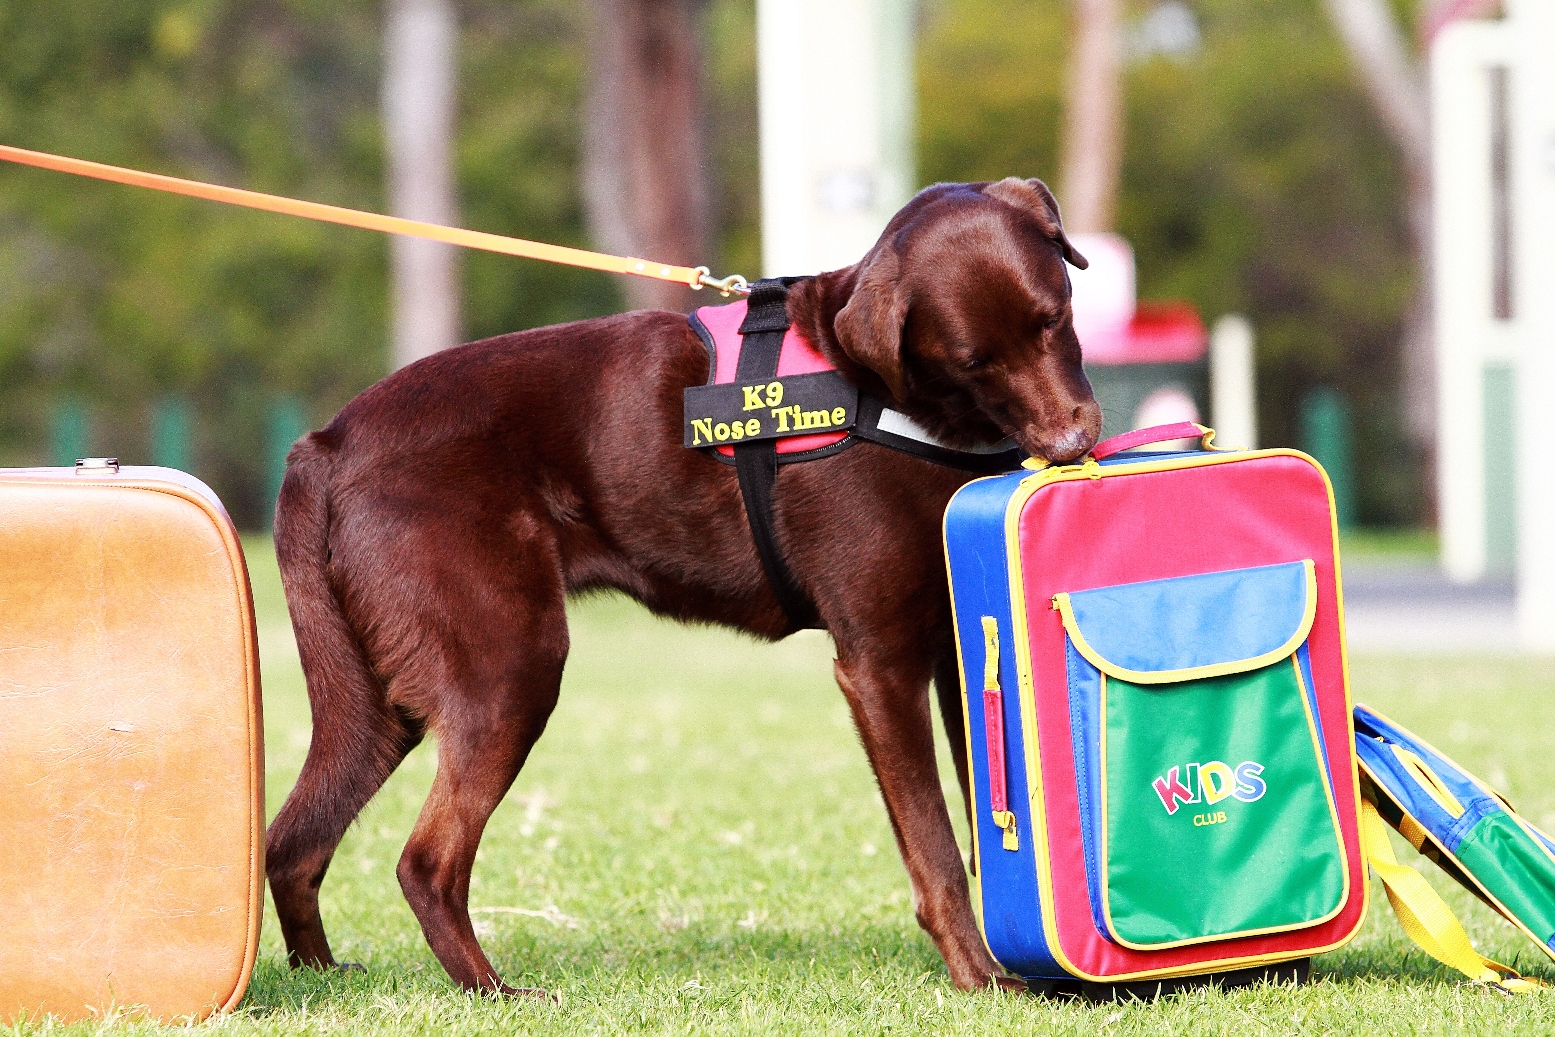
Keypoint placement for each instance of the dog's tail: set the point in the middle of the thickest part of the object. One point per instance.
(358, 736)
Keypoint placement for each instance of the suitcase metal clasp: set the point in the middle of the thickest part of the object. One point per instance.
(97, 465)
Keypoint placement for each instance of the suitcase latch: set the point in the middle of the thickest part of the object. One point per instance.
(97, 465)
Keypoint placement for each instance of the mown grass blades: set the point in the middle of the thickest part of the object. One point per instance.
(685, 853)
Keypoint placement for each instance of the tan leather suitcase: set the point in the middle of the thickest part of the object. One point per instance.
(131, 752)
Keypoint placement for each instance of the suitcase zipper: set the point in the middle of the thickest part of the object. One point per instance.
(993, 729)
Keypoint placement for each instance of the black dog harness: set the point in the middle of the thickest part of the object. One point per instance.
(757, 419)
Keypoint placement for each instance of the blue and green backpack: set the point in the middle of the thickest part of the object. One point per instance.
(1467, 829)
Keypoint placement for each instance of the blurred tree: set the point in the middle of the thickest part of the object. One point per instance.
(644, 166)
(419, 100)
(1093, 123)
(1395, 83)
(1256, 179)
(117, 297)
(121, 297)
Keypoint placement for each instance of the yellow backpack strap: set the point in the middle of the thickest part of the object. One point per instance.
(1426, 918)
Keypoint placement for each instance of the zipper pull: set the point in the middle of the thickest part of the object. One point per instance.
(1090, 467)
(1006, 820)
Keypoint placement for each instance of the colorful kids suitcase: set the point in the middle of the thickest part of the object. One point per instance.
(1467, 829)
(131, 759)
(1158, 718)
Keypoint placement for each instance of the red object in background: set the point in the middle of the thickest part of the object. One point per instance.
(1443, 14)
(1159, 333)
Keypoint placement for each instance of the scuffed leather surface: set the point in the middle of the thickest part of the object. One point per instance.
(131, 756)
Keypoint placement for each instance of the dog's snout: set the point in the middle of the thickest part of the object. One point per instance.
(1070, 444)
(1073, 438)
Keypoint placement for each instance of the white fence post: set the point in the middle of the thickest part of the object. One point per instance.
(1532, 124)
(1462, 291)
(1233, 382)
(1491, 87)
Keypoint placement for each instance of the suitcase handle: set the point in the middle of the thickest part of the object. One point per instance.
(1155, 434)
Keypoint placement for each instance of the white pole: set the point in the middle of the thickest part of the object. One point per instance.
(836, 110)
(1462, 293)
(1532, 25)
(420, 39)
(1233, 382)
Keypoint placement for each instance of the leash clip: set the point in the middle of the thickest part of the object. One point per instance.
(734, 284)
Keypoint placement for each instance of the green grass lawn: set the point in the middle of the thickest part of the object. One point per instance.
(697, 846)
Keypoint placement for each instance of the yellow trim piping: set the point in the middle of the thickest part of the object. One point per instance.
(1447, 854)
(1257, 662)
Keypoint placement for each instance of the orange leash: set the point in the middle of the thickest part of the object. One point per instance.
(692, 277)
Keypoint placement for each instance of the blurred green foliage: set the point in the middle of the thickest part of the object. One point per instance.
(1256, 180)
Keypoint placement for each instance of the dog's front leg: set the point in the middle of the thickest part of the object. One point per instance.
(952, 716)
(890, 704)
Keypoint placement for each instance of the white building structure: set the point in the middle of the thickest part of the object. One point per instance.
(1493, 109)
(836, 103)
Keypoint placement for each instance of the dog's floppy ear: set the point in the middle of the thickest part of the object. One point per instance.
(1034, 197)
(869, 327)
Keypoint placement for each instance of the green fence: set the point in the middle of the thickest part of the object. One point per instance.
(1325, 434)
(172, 436)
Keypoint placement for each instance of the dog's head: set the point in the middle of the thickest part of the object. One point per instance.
(962, 311)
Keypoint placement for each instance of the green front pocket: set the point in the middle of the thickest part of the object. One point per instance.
(1208, 804)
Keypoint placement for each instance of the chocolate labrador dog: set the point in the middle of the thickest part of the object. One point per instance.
(429, 536)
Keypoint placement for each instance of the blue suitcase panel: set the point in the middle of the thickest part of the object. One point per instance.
(980, 586)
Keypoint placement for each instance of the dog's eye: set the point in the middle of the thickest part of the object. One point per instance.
(1052, 322)
(973, 363)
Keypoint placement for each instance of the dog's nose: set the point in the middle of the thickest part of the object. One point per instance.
(1069, 444)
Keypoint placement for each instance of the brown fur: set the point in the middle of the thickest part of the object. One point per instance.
(429, 536)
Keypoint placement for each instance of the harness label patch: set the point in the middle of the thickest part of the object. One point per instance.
(716, 415)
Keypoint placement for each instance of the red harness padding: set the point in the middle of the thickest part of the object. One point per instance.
(719, 329)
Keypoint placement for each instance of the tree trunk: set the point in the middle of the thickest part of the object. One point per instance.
(1396, 85)
(1092, 159)
(644, 165)
(419, 77)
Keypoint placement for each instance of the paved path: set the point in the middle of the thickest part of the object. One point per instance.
(1410, 606)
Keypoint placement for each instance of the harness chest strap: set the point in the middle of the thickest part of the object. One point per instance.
(766, 322)
(849, 415)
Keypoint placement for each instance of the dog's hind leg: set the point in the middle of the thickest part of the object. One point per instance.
(334, 786)
(496, 675)
(890, 705)
(358, 737)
